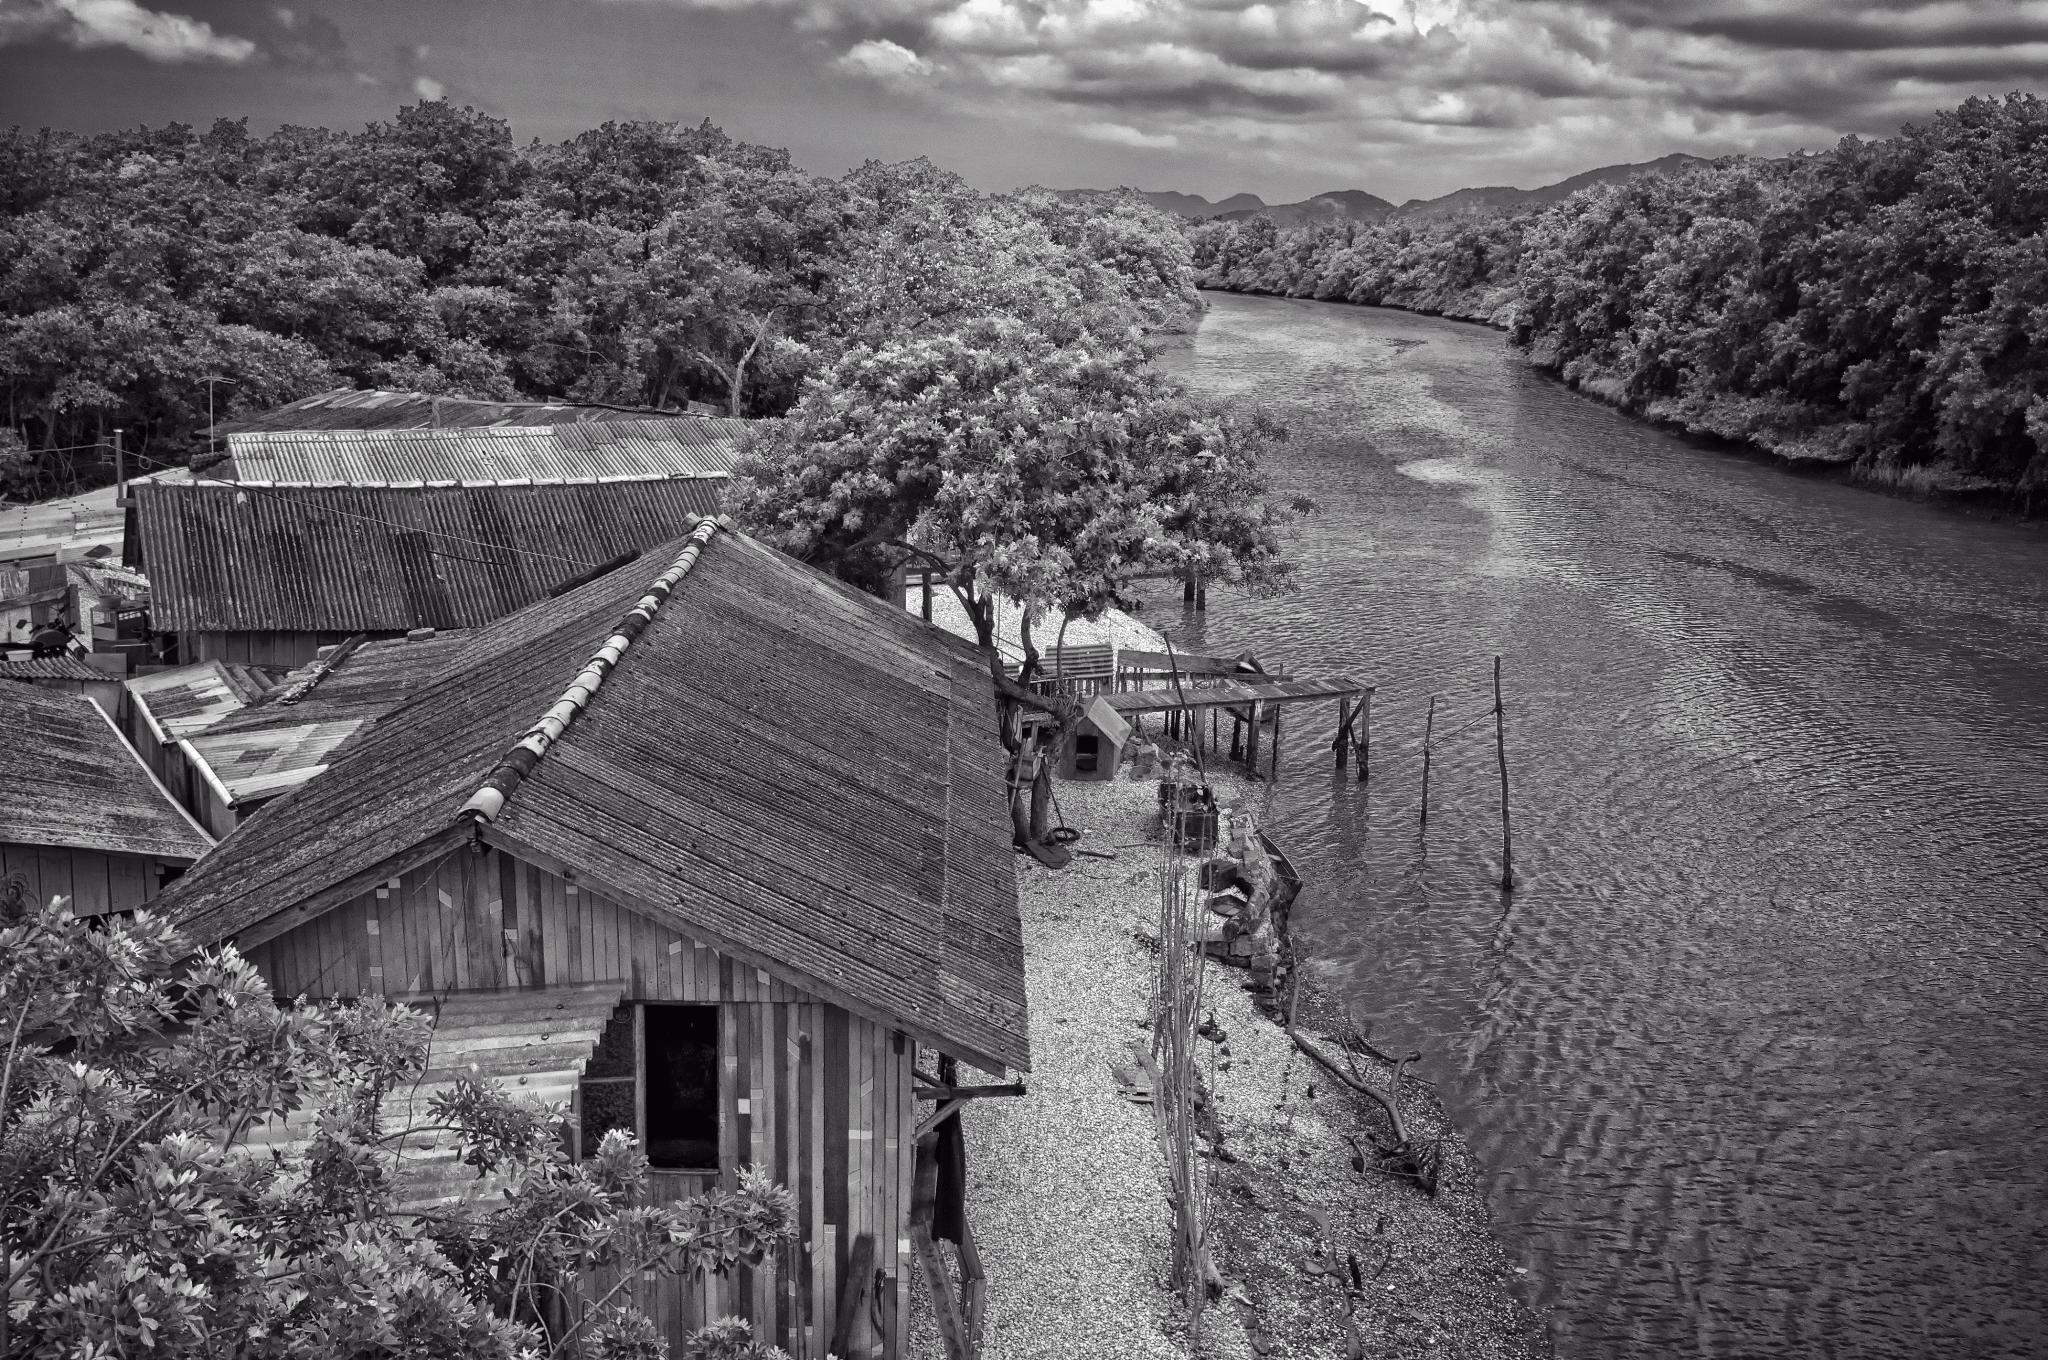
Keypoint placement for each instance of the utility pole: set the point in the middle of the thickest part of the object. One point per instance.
(212, 443)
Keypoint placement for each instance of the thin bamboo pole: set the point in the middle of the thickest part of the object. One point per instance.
(1500, 746)
(1428, 729)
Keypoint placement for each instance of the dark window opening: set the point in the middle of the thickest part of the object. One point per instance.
(1087, 751)
(682, 1086)
(609, 1082)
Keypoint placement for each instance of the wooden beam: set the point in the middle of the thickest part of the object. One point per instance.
(930, 1092)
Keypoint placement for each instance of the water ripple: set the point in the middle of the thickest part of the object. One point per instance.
(1751, 1054)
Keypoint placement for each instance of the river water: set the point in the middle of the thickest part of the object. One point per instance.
(1752, 1059)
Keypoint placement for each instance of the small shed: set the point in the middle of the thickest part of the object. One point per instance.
(1094, 746)
(732, 841)
(268, 573)
(81, 816)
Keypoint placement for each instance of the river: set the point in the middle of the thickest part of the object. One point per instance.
(1752, 1058)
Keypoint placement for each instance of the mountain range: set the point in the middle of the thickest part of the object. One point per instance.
(1356, 205)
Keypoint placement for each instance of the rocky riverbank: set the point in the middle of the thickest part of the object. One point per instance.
(1066, 1187)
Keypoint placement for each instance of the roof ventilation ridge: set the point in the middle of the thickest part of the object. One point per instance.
(504, 779)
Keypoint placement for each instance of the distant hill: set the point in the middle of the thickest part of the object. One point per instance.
(1341, 205)
(1495, 198)
(1358, 206)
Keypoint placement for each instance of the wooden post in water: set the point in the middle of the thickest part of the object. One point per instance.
(1201, 594)
(1500, 746)
(1365, 748)
(1343, 741)
(1251, 742)
(1428, 729)
(1187, 590)
(1274, 771)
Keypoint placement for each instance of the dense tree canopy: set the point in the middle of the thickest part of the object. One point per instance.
(1883, 304)
(637, 263)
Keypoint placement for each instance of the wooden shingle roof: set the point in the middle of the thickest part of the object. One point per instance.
(304, 558)
(792, 771)
(680, 446)
(71, 780)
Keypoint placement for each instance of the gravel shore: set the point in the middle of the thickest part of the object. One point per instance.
(1066, 1188)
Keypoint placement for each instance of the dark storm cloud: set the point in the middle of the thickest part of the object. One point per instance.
(1195, 96)
(1847, 33)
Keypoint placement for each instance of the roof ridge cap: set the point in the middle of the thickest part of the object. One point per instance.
(512, 768)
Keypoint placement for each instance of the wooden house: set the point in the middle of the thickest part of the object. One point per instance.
(712, 848)
(80, 815)
(269, 573)
(1095, 746)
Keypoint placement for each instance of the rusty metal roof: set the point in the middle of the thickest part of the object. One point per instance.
(227, 557)
(72, 780)
(797, 773)
(691, 446)
(345, 408)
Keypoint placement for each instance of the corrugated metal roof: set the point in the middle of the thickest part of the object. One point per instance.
(384, 559)
(797, 773)
(541, 1065)
(69, 526)
(187, 700)
(71, 780)
(345, 408)
(692, 446)
(279, 742)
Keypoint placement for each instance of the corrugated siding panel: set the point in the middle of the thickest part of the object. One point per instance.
(690, 446)
(229, 559)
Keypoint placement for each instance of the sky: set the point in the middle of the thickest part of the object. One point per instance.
(1282, 98)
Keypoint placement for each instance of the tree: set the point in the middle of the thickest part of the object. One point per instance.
(1016, 466)
(132, 1220)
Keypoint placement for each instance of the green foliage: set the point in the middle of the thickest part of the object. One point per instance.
(638, 263)
(133, 1219)
(1883, 304)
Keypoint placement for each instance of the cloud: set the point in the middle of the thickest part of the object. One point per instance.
(426, 87)
(1118, 134)
(157, 35)
(882, 60)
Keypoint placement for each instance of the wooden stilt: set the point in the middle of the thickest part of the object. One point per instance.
(1500, 746)
(1274, 771)
(927, 597)
(1428, 730)
(1251, 741)
(1343, 742)
(1365, 748)
(1187, 589)
(1201, 594)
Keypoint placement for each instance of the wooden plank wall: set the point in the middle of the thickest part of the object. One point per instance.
(280, 649)
(819, 1097)
(94, 881)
